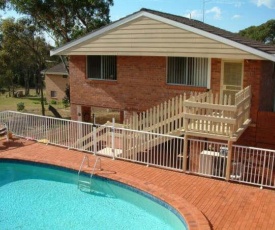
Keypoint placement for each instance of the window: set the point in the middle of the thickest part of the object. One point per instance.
(53, 94)
(101, 67)
(187, 71)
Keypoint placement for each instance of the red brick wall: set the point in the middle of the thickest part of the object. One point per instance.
(265, 136)
(216, 68)
(267, 86)
(260, 75)
(141, 84)
(55, 83)
(252, 76)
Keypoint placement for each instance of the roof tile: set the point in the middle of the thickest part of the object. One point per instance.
(215, 30)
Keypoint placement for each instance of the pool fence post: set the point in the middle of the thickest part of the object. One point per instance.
(184, 157)
(68, 134)
(228, 163)
(113, 138)
(45, 124)
(263, 170)
(94, 140)
(26, 124)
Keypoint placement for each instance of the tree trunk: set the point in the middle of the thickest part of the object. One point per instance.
(40, 88)
(27, 85)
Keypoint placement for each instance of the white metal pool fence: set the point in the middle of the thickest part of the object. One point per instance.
(207, 158)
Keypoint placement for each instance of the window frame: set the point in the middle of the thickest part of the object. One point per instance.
(53, 92)
(101, 71)
(205, 81)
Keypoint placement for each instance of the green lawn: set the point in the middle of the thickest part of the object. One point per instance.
(32, 105)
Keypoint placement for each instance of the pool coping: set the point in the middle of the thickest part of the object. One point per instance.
(193, 217)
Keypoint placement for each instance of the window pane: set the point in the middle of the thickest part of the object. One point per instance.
(187, 71)
(53, 94)
(108, 67)
(101, 67)
(232, 73)
(94, 66)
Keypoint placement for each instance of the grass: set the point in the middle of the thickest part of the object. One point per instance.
(32, 105)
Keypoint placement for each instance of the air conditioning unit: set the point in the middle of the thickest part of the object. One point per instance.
(223, 151)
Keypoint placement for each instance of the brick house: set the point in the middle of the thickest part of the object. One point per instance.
(56, 80)
(149, 57)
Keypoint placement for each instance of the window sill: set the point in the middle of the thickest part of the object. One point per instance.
(186, 87)
(100, 81)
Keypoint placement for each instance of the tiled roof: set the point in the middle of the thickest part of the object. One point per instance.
(215, 30)
(57, 69)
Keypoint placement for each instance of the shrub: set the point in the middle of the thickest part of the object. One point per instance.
(20, 106)
(2, 91)
(53, 102)
(65, 102)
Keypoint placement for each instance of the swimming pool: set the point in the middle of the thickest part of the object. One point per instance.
(41, 197)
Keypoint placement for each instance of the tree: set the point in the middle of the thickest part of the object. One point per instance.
(63, 20)
(23, 54)
(23, 50)
(264, 33)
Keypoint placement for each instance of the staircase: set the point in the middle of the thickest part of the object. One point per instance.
(86, 142)
(166, 118)
(200, 114)
(100, 140)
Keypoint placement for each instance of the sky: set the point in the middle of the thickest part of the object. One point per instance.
(231, 15)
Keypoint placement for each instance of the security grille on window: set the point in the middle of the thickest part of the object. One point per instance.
(101, 67)
(187, 71)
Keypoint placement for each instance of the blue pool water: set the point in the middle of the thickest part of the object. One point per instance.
(40, 197)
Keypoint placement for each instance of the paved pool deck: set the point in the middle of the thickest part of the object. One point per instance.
(204, 202)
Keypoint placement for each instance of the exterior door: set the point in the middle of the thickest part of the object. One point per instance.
(232, 79)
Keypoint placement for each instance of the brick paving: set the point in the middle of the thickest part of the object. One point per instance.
(205, 203)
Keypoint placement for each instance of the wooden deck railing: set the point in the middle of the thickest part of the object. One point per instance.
(164, 118)
(193, 113)
(205, 115)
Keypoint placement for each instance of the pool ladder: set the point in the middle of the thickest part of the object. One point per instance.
(87, 184)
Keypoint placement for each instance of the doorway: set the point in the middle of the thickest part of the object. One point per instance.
(232, 79)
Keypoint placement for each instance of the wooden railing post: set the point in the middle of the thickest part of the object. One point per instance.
(229, 158)
(184, 157)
